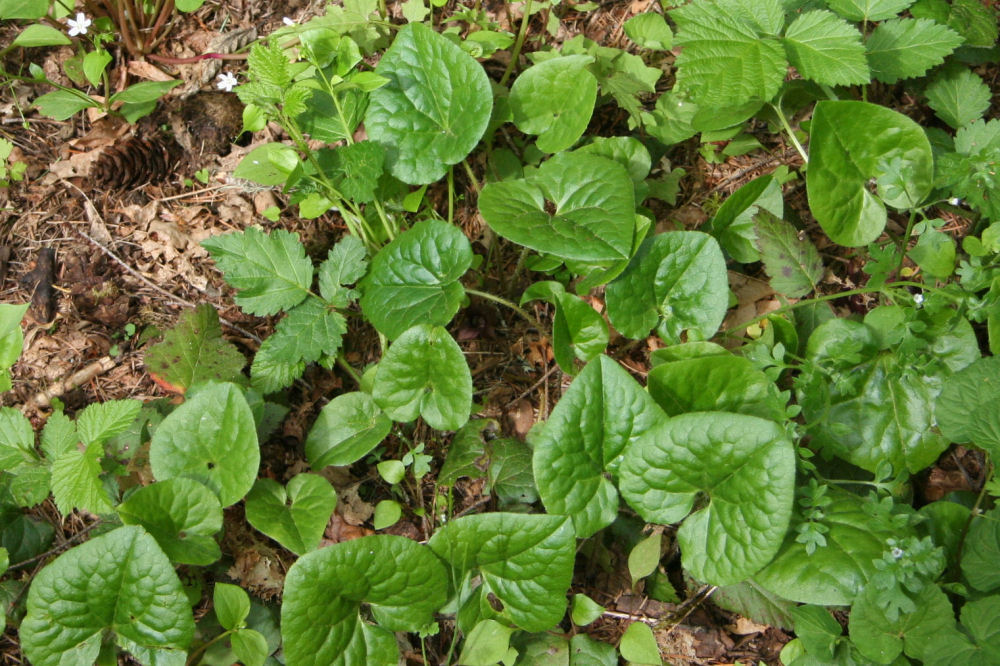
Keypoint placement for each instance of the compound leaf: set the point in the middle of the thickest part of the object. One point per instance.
(194, 351)
(309, 331)
(555, 99)
(345, 264)
(905, 48)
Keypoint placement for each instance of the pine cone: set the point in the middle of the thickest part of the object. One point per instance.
(133, 162)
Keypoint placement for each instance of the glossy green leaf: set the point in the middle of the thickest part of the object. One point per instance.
(958, 97)
(555, 99)
(182, 515)
(677, 282)
(294, 516)
(424, 373)
(733, 224)
(851, 143)
(977, 644)
(194, 351)
(626, 150)
(639, 645)
(883, 639)
(414, 279)
(649, 30)
(981, 552)
(592, 426)
(905, 48)
(270, 270)
(584, 610)
(826, 49)
(211, 438)
(868, 10)
(348, 428)
(268, 165)
(576, 206)
(387, 514)
(743, 466)
(966, 409)
(433, 110)
(63, 104)
(231, 604)
(402, 582)
(119, 582)
(644, 557)
(250, 647)
(789, 257)
(39, 34)
(486, 644)
(524, 560)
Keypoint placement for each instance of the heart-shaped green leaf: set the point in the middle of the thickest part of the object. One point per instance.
(211, 438)
(555, 99)
(852, 143)
(294, 516)
(433, 110)
(119, 582)
(524, 560)
(402, 582)
(424, 373)
(414, 279)
(733, 224)
(181, 514)
(591, 427)
(348, 427)
(743, 465)
(576, 206)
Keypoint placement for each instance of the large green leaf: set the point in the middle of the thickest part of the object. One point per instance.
(591, 427)
(851, 143)
(348, 427)
(424, 373)
(676, 282)
(576, 206)
(120, 582)
(555, 99)
(271, 271)
(414, 279)
(194, 350)
(525, 561)
(967, 409)
(882, 639)
(402, 582)
(182, 515)
(905, 48)
(211, 438)
(743, 467)
(294, 516)
(826, 49)
(433, 110)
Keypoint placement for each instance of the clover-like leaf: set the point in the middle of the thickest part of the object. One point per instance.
(676, 282)
(120, 582)
(294, 516)
(211, 438)
(743, 466)
(182, 515)
(414, 279)
(576, 206)
(348, 428)
(555, 99)
(525, 561)
(402, 582)
(424, 373)
(853, 142)
(433, 110)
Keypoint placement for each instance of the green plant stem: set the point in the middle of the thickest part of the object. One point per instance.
(503, 301)
(788, 130)
(451, 195)
(518, 43)
(193, 657)
(973, 513)
(905, 241)
(348, 368)
(472, 176)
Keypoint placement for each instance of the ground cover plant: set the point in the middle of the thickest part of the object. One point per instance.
(769, 404)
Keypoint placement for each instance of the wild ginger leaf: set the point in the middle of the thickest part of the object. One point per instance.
(194, 351)
(348, 428)
(905, 48)
(966, 408)
(868, 10)
(294, 515)
(826, 49)
(958, 97)
(789, 258)
(555, 100)
(271, 271)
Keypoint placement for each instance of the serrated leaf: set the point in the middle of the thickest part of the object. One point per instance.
(728, 58)
(270, 374)
(345, 264)
(76, 482)
(555, 99)
(853, 142)
(789, 257)
(525, 561)
(309, 331)
(690, 289)
(424, 373)
(599, 417)
(743, 465)
(576, 206)
(826, 49)
(294, 516)
(414, 279)
(17, 439)
(733, 224)
(194, 351)
(649, 30)
(905, 48)
(433, 110)
(119, 582)
(354, 168)
(402, 582)
(958, 97)
(101, 421)
(269, 64)
(868, 10)
(271, 271)
(348, 428)
(58, 435)
(182, 515)
(211, 438)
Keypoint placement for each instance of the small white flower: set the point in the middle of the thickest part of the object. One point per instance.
(918, 298)
(897, 552)
(288, 21)
(955, 201)
(227, 81)
(79, 25)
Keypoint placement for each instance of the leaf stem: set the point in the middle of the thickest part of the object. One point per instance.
(472, 176)
(348, 368)
(788, 130)
(451, 194)
(503, 301)
(518, 43)
(973, 513)
(192, 658)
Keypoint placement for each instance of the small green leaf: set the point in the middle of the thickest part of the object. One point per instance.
(391, 471)
(639, 645)
(144, 92)
(424, 373)
(905, 48)
(584, 610)
(194, 351)
(433, 110)
(250, 647)
(94, 64)
(414, 279)
(935, 254)
(958, 97)
(119, 582)
(644, 557)
(39, 34)
(23, 9)
(270, 164)
(387, 514)
(210, 438)
(650, 31)
(294, 516)
(63, 104)
(348, 428)
(486, 644)
(585, 651)
(789, 257)
(868, 10)
(509, 474)
(733, 224)
(231, 604)
(826, 49)
(555, 99)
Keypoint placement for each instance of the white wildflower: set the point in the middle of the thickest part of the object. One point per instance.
(897, 552)
(227, 81)
(918, 298)
(955, 201)
(288, 21)
(79, 25)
